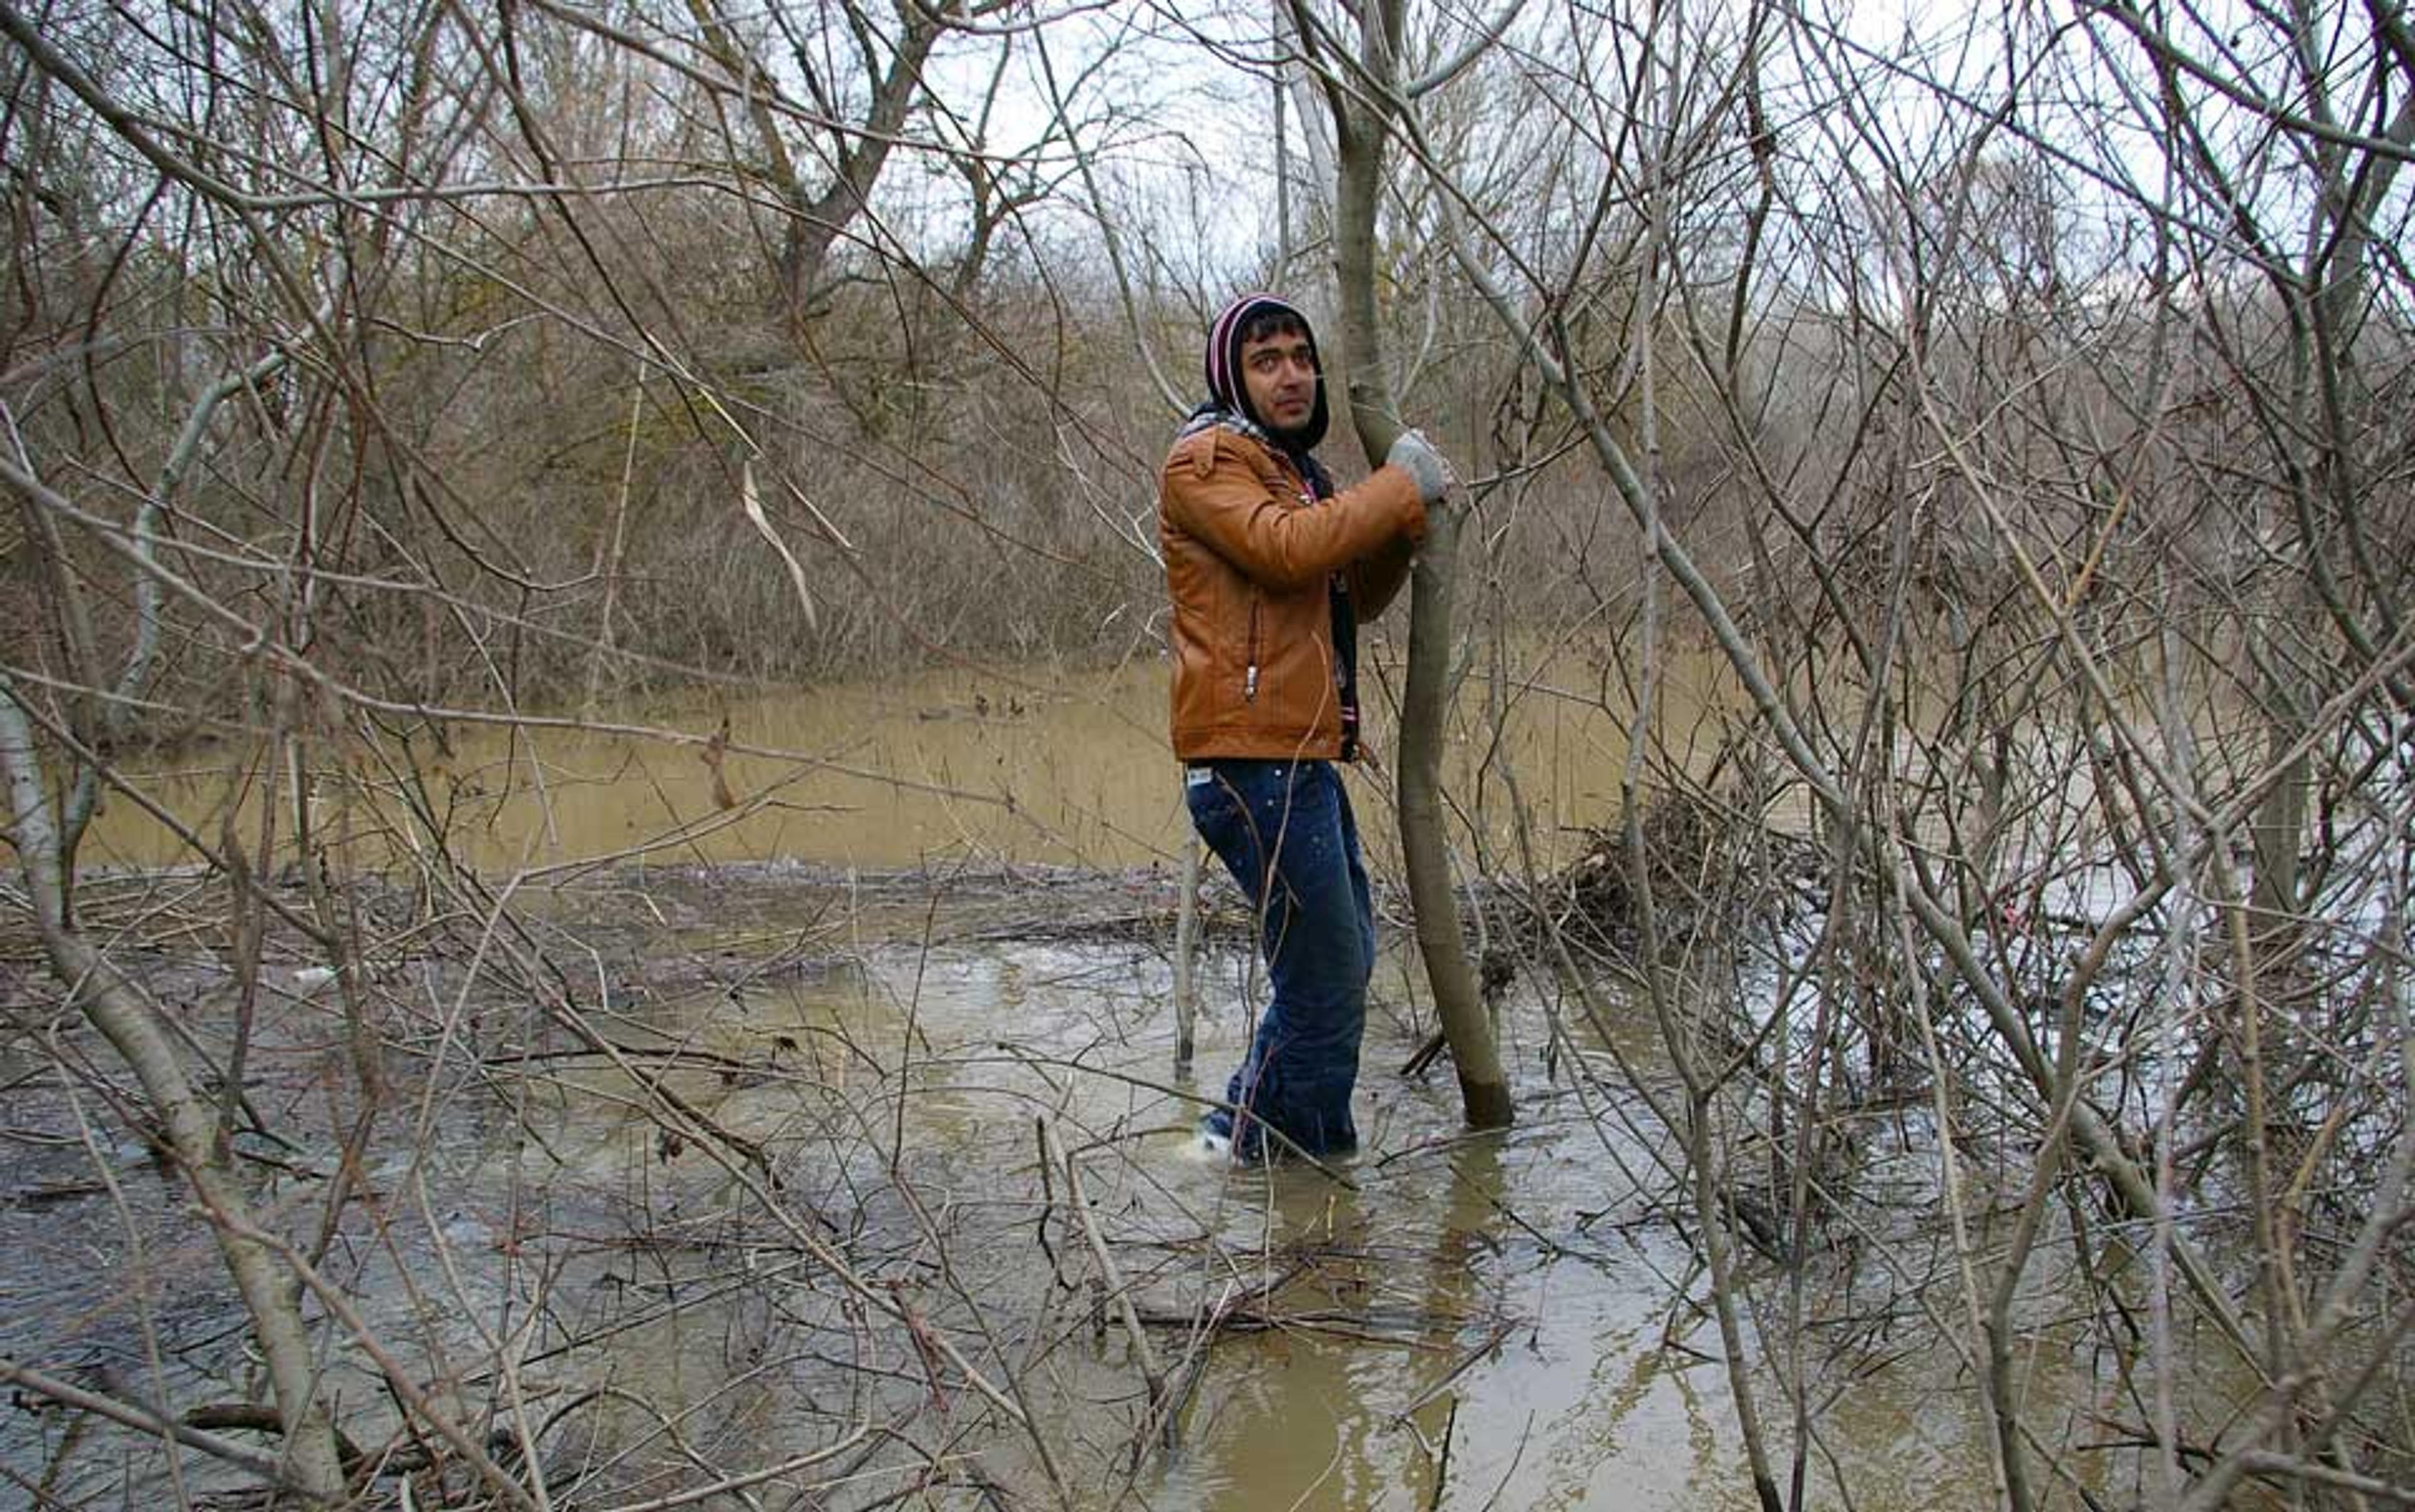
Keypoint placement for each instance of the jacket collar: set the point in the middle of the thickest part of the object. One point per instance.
(1210, 415)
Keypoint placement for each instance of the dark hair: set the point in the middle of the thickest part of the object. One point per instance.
(1278, 321)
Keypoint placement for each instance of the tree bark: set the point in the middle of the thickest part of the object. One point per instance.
(1360, 131)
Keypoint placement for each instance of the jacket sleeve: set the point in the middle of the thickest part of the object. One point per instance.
(1231, 496)
(1375, 579)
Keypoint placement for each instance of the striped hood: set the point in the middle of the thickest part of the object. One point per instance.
(1227, 394)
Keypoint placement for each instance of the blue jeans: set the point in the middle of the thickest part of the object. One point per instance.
(1285, 832)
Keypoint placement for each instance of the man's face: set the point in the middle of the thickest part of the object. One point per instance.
(1279, 374)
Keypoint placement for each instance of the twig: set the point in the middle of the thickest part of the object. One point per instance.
(1449, 1430)
(1155, 1420)
(135, 1415)
(1499, 1333)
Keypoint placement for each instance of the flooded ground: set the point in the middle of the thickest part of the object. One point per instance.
(899, 1070)
(733, 1115)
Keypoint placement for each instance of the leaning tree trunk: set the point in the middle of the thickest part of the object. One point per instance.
(186, 1124)
(1359, 129)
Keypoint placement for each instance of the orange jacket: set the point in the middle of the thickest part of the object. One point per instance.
(1247, 552)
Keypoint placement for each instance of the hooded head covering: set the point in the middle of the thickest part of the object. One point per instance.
(1228, 393)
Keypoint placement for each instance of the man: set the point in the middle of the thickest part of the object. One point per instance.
(1271, 571)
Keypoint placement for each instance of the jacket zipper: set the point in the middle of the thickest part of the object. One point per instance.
(1250, 675)
(1250, 678)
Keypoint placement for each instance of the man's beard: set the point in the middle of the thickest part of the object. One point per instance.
(1299, 438)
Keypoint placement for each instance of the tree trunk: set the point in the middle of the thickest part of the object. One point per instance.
(186, 1126)
(1359, 130)
(856, 154)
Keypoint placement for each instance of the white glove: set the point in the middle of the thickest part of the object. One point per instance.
(1415, 456)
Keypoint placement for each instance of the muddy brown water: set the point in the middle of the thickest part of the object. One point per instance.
(1504, 1321)
(1508, 1297)
(1030, 765)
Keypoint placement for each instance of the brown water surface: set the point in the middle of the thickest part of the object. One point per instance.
(1411, 1314)
(1506, 1321)
(1030, 765)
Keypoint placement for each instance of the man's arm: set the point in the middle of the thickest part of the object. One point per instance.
(1240, 505)
(1375, 579)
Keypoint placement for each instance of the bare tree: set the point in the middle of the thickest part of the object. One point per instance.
(1365, 90)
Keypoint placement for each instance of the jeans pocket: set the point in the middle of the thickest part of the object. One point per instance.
(1217, 812)
(1237, 811)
